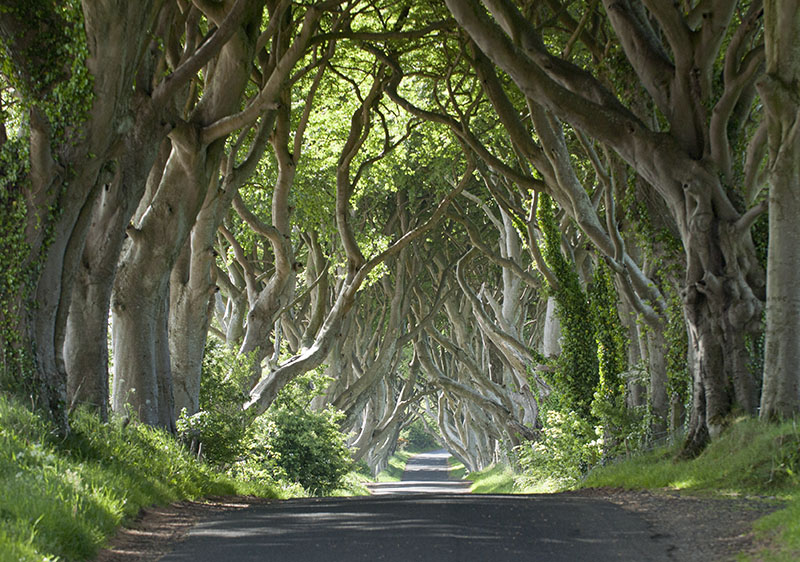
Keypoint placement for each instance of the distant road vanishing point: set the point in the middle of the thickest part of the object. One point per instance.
(425, 517)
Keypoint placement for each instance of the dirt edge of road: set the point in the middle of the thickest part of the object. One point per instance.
(157, 529)
(696, 528)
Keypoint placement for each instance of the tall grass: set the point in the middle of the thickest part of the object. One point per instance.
(62, 498)
(751, 457)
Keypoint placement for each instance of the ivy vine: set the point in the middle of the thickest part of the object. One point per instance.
(576, 375)
(42, 69)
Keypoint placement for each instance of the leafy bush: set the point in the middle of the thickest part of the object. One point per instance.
(305, 446)
(219, 429)
(568, 447)
(624, 429)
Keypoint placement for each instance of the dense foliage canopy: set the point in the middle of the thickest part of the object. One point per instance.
(490, 217)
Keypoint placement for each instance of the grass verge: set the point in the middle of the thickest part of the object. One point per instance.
(497, 479)
(63, 497)
(397, 465)
(750, 458)
(457, 469)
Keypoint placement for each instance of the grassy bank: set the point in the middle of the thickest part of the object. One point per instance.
(397, 465)
(62, 498)
(750, 459)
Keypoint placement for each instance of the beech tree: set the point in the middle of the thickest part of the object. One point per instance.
(364, 188)
(689, 160)
(781, 393)
(72, 69)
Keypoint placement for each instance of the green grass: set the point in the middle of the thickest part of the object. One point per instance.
(751, 458)
(62, 498)
(397, 465)
(497, 479)
(353, 484)
(457, 469)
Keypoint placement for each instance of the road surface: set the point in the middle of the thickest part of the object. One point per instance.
(419, 522)
(426, 473)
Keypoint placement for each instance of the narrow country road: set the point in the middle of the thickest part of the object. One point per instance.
(424, 518)
(425, 473)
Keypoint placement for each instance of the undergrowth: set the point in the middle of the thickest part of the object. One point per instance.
(751, 458)
(62, 498)
(394, 470)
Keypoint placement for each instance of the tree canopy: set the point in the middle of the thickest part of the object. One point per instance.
(482, 214)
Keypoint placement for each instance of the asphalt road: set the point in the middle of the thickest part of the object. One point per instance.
(426, 473)
(415, 524)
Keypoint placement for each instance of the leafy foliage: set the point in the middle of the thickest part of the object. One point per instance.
(289, 443)
(219, 429)
(568, 447)
(577, 374)
(305, 446)
(621, 426)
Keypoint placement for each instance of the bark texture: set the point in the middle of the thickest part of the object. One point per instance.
(779, 89)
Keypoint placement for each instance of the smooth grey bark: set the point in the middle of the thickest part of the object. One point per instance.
(551, 345)
(116, 33)
(659, 402)
(190, 311)
(781, 393)
(141, 344)
(193, 282)
(85, 345)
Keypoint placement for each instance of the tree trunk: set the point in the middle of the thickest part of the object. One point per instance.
(86, 343)
(115, 34)
(160, 234)
(190, 310)
(781, 393)
(658, 383)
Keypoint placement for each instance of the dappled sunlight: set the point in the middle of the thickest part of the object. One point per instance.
(423, 527)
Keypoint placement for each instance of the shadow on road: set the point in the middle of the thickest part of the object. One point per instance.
(413, 520)
(434, 527)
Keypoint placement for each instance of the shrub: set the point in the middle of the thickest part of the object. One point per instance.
(219, 429)
(305, 446)
(568, 447)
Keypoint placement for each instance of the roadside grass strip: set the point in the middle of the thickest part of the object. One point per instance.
(751, 458)
(497, 479)
(394, 470)
(62, 498)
